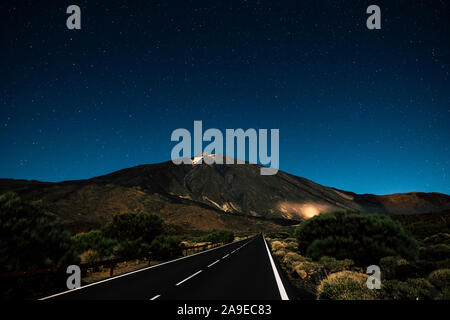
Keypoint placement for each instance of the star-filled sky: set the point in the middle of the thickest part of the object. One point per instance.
(362, 110)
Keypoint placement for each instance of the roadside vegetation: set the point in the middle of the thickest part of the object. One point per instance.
(327, 257)
(32, 239)
(128, 235)
(218, 236)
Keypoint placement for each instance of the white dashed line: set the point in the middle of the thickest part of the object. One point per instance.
(139, 270)
(156, 297)
(225, 256)
(213, 263)
(188, 277)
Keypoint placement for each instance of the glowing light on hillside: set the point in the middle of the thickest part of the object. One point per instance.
(310, 211)
(291, 210)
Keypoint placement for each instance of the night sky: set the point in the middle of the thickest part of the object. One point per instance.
(360, 110)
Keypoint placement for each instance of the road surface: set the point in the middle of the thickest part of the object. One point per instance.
(240, 270)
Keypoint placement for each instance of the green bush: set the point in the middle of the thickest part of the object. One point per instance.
(435, 252)
(443, 264)
(279, 235)
(390, 266)
(364, 238)
(438, 238)
(131, 226)
(445, 294)
(332, 265)
(95, 240)
(31, 237)
(440, 279)
(134, 232)
(346, 285)
(426, 225)
(219, 236)
(131, 248)
(400, 269)
(411, 289)
(166, 246)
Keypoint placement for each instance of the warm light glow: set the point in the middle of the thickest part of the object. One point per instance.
(310, 211)
(291, 210)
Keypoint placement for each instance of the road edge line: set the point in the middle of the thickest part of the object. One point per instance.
(280, 285)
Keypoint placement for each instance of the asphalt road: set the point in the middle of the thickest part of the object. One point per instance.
(240, 270)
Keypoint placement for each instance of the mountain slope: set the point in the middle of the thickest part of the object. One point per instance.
(206, 197)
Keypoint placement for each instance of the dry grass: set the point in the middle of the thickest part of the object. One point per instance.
(303, 272)
(346, 285)
(440, 278)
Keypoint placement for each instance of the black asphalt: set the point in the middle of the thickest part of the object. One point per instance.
(242, 271)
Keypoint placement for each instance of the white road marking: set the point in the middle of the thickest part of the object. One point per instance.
(156, 297)
(225, 256)
(143, 269)
(188, 277)
(213, 263)
(280, 285)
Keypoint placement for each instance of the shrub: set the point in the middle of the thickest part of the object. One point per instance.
(389, 266)
(411, 289)
(166, 246)
(291, 259)
(346, 285)
(311, 270)
(134, 232)
(277, 245)
(219, 236)
(280, 253)
(96, 241)
(443, 264)
(426, 225)
(90, 256)
(131, 226)
(332, 265)
(417, 269)
(31, 237)
(400, 269)
(445, 295)
(291, 244)
(133, 248)
(279, 235)
(288, 244)
(438, 238)
(440, 279)
(364, 238)
(435, 252)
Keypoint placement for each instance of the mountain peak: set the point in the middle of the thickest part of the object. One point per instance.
(196, 196)
(198, 159)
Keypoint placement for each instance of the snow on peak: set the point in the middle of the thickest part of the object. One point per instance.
(199, 158)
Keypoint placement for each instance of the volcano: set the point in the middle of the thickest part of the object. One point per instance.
(201, 196)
